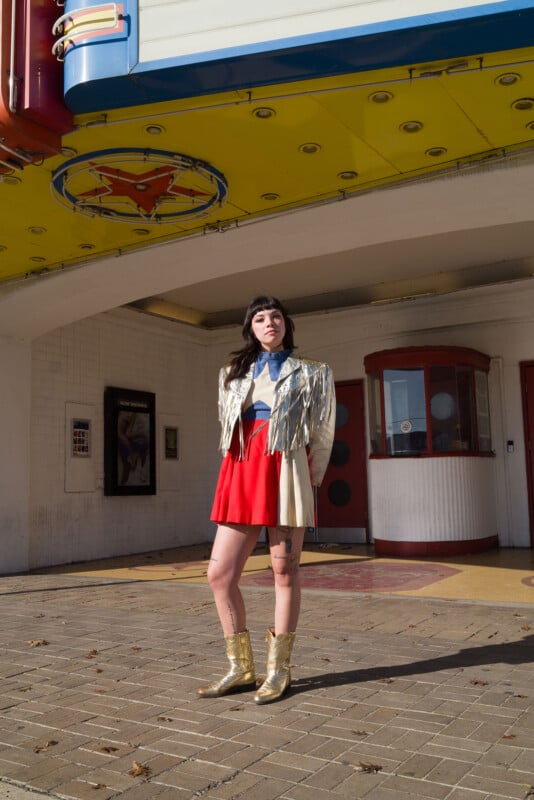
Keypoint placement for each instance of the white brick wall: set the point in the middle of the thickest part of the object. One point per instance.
(15, 372)
(74, 365)
(180, 364)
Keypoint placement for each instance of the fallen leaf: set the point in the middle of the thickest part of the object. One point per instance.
(98, 669)
(43, 747)
(139, 770)
(386, 680)
(26, 689)
(360, 733)
(164, 719)
(38, 616)
(92, 654)
(477, 682)
(508, 736)
(361, 767)
(525, 627)
(98, 786)
(37, 642)
(136, 648)
(521, 695)
(108, 749)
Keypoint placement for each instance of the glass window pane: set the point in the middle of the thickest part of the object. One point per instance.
(375, 416)
(451, 406)
(483, 417)
(405, 411)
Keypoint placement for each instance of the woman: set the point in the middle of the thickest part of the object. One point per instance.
(277, 416)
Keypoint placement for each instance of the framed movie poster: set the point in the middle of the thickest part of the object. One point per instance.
(129, 442)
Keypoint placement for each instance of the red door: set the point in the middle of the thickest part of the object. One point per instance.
(342, 497)
(527, 392)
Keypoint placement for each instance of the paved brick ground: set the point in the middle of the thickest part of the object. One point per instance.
(393, 699)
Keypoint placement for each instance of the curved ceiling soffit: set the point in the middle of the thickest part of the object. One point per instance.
(476, 200)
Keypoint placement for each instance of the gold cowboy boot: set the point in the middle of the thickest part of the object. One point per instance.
(278, 678)
(241, 675)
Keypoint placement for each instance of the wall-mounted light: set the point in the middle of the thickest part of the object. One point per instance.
(412, 126)
(264, 112)
(270, 196)
(37, 230)
(309, 148)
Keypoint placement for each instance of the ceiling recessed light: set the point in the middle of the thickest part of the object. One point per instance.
(87, 246)
(413, 126)
(436, 152)
(508, 79)
(37, 259)
(154, 130)
(347, 175)
(141, 187)
(68, 151)
(523, 104)
(37, 229)
(310, 147)
(270, 196)
(380, 97)
(264, 112)
(9, 180)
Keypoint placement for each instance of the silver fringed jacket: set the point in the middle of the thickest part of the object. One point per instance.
(302, 415)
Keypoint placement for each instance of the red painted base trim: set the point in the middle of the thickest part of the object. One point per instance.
(383, 547)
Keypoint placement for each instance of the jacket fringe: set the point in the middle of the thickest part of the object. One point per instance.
(303, 412)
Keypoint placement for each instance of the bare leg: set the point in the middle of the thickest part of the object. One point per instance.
(286, 546)
(231, 549)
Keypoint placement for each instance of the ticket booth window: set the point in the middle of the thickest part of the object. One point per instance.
(428, 401)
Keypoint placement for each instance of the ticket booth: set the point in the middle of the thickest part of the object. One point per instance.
(431, 461)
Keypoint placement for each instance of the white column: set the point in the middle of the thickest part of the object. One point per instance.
(15, 394)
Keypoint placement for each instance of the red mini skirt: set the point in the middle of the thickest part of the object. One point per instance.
(248, 488)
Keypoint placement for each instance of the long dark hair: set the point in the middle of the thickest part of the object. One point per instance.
(243, 358)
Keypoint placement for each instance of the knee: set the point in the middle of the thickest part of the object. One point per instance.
(286, 572)
(219, 579)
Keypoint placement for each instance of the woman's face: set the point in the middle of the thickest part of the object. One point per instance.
(269, 328)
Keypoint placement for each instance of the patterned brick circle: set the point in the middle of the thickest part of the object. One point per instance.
(352, 576)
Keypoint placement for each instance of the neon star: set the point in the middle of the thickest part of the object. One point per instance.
(146, 189)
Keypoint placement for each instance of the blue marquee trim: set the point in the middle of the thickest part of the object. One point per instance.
(488, 28)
